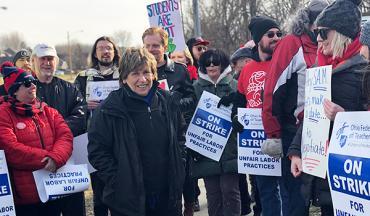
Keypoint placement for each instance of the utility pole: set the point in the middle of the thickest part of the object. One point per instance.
(69, 52)
(197, 29)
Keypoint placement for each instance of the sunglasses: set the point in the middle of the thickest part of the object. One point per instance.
(201, 48)
(272, 34)
(214, 62)
(28, 83)
(323, 32)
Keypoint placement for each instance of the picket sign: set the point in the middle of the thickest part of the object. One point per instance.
(99, 90)
(167, 14)
(67, 180)
(349, 164)
(6, 195)
(210, 127)
(250, 158)
(315, 134)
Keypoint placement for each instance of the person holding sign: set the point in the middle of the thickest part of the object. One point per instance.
(104, 60)
(338, 28)
(266, 34)
(67, 99)
(135, 142)
(221, 178)
(33, 136)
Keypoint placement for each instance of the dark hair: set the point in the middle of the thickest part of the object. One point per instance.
(94, 63)
(215, 54)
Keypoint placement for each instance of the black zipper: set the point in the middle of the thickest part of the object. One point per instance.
(38, 131)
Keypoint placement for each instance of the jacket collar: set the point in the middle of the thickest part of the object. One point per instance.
(224, 78)
(169, 66)
(356, 60)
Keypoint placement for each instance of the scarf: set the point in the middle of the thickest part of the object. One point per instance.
(22, 108)
(352, 50)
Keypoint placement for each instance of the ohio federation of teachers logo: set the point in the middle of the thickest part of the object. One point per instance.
(340, 134)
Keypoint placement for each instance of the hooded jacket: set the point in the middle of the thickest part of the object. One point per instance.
(203, 166)
(346, 91)
(113, 150)
(283, 98)
(26, 141)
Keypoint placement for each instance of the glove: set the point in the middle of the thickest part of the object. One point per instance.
(226, 100)
(273, 148)
(237, 126)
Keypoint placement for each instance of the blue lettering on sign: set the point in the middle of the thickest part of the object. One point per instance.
(350, 175)
(212, 123)
(251, 138)
(4, 185)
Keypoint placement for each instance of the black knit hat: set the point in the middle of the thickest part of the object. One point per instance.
(20, 54)
(343, 16)
(259, 25)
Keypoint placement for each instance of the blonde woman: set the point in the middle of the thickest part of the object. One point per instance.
(338, 28)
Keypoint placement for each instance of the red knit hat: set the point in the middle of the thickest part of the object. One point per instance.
(14, 77)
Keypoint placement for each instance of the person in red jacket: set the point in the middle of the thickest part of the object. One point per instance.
(185, 58)
(33, 136)
(283, 97)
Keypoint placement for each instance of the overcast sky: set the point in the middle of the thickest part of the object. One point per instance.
(50, 20)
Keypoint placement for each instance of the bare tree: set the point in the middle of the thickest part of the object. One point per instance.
(80, 53)
(13, 40)
(123, 38)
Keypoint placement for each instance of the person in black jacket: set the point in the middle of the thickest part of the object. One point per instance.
(105, 56)
(64, 97)
(135, 142)
(338, 28)
(175, 78)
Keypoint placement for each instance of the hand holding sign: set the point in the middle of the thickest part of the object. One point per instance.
(50, 164)
(331, 109)
(296, 166)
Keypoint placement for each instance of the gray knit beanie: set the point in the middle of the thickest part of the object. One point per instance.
(344, 16)
(365, 34)
(243, 52)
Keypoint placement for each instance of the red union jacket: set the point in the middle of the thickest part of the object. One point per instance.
(283, 100)
(25, 146)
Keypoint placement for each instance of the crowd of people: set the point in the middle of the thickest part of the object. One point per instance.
(137, 133)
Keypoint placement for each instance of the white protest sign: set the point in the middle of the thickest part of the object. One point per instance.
(349, 164)
(6, 195)
(250, 158)
(167, 14)
(67, 180)
(99, 90)
(210, 127)
(315, 134)
(79, 153)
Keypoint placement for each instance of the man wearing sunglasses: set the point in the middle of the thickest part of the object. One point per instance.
(284, 97)
(64, 97)
(266, 34)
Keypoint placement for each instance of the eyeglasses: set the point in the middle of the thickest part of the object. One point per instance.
(28, 83)
(201, 48)
(110, 49)
(272, 34)
(323, 32)
(214, 62)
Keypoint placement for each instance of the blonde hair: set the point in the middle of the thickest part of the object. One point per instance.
(188, 56)
(156, 30)
(339, 44)
(133, 59)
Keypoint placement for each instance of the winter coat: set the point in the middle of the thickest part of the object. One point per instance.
(203, 166)
(2, 90)
(346, 91)
(283, 100)
(113, 151)
(178, 80)
(26, 141)
(67, 99)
